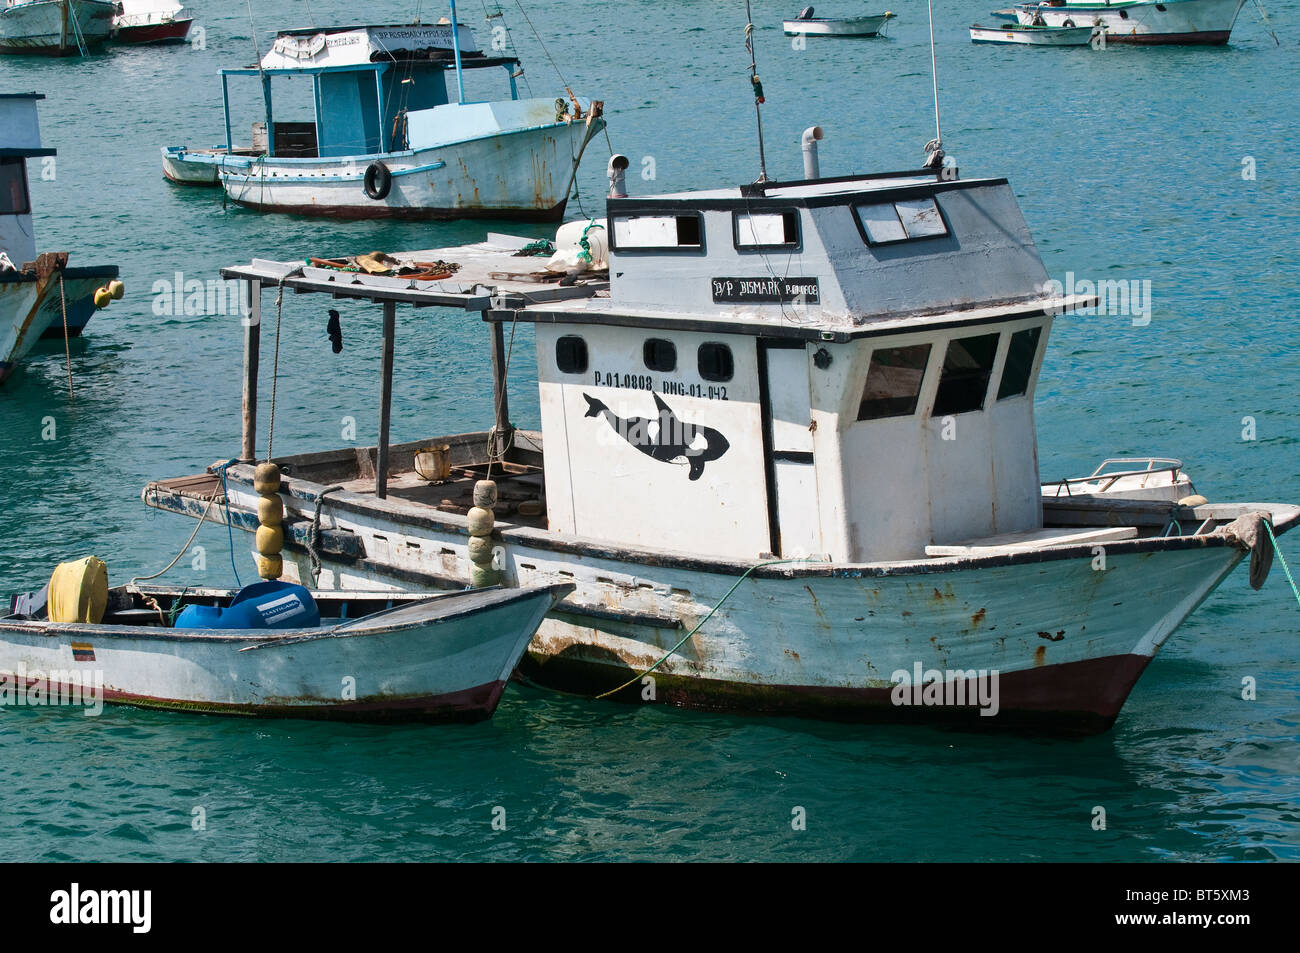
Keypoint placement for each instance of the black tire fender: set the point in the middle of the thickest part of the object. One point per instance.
(378, 181)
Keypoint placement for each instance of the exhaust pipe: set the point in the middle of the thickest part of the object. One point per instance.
(617, 172)
(811, 167)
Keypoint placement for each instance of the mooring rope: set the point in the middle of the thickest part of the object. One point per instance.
(275, 369)
(67, 348)
(698, 625)
(314, 537)
(1282, 559)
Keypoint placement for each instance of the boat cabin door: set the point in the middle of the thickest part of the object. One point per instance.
(786, 403)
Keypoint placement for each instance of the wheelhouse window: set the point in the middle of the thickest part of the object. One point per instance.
(659, 232)
(13, 187)
(964, 382)
(715, 362)
(760, 231)
(571, 354)
(901, 221)
(1021, 352)
(660, 355)
(893, 381)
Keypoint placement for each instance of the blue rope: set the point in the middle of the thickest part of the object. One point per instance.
(230, 530)
(1282, 559)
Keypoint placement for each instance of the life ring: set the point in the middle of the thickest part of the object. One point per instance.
(1067, 23)
(378, 181)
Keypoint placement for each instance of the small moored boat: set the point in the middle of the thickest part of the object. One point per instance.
(361, 656)
(1034, 35)
(151, 21)
(1201, 22)
(809, 25)
(40, 294)
(55, 27)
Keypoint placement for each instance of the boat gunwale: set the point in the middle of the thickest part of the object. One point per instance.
(424, 516)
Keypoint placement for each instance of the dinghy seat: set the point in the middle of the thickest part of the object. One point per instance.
(263, 605)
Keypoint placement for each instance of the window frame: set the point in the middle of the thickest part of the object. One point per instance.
(645, 355)
(916, 399)
(893, 203)
(615, 246)
(21, 163)
(586, 353)
(1033, 360)
(935, 412)
(795, 246)
(731, 356)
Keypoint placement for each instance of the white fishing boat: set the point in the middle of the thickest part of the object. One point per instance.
(393, 133)
(151, 22)
(39, 293)
(287, 652)
(804, 493)
(1034, 35)
(1141, 21)
(55, 27)
(808, 25)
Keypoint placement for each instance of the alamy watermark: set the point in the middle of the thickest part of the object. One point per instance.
(58, 688)
(947, 687)
(1115, 296)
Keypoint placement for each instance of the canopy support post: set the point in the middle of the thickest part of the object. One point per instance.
(500, 397)
(252, 354)
(385, 400)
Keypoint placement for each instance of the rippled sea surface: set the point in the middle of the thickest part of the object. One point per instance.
(1128, 164)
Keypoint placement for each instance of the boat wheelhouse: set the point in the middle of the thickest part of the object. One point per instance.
(392, 132)
(39, 293)
(787, 456)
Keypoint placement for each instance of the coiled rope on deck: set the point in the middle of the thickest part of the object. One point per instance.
(734, 586)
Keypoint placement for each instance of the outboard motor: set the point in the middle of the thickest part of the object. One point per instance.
(806, 13)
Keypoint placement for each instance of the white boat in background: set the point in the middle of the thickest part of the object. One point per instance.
(1034, 35)
(38, 292)
(355, 656)
(55, 27)
(393, 133)
(1141, 21)
(151, 21)
(808, 25)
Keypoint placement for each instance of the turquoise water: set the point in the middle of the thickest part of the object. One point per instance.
(1128, 164)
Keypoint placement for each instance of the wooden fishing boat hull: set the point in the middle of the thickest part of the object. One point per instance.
(32, 307)
(1034, 36)
(1067, 641)
(837, 26)
(523, 174)
(442, 659)
(50, 27)
(1197, 22)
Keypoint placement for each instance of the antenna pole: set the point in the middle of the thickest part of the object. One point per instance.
(934, 75)
(758, 90)
(455, 42)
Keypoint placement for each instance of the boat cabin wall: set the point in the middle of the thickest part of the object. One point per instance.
(862, 451)
(933, 436)
(347, 117)
(882, 250)
(427, 88)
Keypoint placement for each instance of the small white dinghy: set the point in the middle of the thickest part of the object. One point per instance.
(808, 25)
(1034, 35)
(272, 649)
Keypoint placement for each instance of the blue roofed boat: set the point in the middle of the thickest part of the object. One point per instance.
(393, 133)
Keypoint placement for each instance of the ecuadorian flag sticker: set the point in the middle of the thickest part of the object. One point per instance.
(83, 652)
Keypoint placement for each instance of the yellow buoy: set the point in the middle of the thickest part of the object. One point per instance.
(102, 297)
(116, 289)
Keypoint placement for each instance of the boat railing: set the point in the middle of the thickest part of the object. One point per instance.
(1138, 466)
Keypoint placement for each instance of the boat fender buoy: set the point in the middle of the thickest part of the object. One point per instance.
(1194, 500)
(116, 289)
(102, 298)
(378, 181)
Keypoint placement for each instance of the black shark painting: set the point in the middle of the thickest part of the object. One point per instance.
(665, 438)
